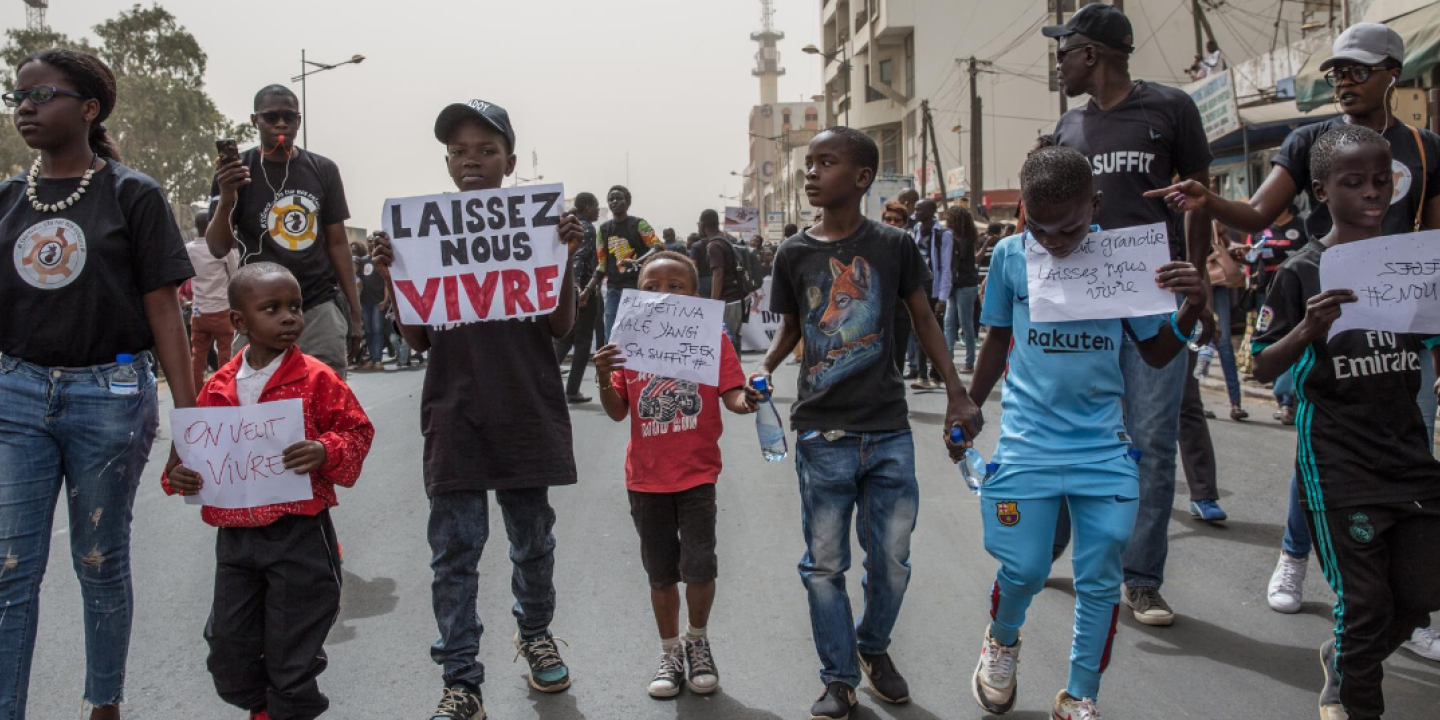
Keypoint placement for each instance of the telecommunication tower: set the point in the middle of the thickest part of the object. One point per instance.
(767, 58)
(35, 14)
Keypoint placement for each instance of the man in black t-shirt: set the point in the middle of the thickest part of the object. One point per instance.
(1138, 136)
(372, 306)
(725, 282)
(587, 306)
(279, 203)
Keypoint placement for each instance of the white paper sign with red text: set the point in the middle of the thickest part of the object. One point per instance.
(473, 256)
(240, 453)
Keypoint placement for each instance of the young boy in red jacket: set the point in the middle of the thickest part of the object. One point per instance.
(277, 581)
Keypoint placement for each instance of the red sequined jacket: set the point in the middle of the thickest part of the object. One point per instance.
(332, 416)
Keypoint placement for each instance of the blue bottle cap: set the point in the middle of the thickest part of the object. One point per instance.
(1135, 454)
(992, 468)
(124, 358)
(759, 384)
(957, 435)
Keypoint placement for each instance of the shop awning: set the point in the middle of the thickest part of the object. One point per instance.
(1421, 32)
(1267, 125)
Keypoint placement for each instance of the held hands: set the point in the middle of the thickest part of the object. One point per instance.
(381, 253)
(231, 177)
(754, 397)
(961, 412)
(1183, 196)
(608, 360)
(1322, 310)
(305, 457)
(572, 233)
(583, 296)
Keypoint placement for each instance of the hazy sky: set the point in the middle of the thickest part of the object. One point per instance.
(667, 81)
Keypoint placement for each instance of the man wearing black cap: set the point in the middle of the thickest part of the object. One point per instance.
(1139, 136)
(279, 203)
(494, 418)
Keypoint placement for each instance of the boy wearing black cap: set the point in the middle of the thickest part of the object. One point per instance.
(1137, 136)
(494, 418)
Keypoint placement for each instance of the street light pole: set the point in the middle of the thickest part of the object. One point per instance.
(844, 69)
(305, 72)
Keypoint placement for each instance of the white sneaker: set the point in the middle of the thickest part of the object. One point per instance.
(1287, 584)
(1424, 642)
(994, 682)
(1070, 708)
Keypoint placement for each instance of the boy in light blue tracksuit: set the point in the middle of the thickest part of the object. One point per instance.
(1062, 437)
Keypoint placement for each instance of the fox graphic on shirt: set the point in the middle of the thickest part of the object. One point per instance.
(850, 325)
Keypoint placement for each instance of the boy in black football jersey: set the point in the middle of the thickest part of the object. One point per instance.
(1371, 485)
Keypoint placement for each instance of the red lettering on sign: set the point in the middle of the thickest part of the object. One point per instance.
(517, 291)
(452, 298)
(481, 295)
(545, 287)
(422, 302)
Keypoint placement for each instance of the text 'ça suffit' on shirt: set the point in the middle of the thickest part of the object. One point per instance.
(1063, 383)
(675, 426)
(1360, 437)
(845, 295)
(1139, 145)
(73, 282)
(282, 214)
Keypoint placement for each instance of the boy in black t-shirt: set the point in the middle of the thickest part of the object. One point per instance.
(1371, 485)
(494, 417)
(837, 286)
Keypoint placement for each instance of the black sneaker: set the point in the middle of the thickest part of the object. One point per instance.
(704, 677)
(547, 671)
(834, 703)
(460, 703)
(887, 682)
(1330, 706)
(671, 674)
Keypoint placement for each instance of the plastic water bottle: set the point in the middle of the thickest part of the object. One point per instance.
(973, 468)
(767, 424)
(124, 381)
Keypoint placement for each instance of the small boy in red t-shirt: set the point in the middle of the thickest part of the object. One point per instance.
(277, 580)
(671, 466)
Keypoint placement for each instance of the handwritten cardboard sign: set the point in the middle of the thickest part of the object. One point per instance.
(240, 453)
(1111, 275)
(673, 336)
(482, 255)
(1396, 281)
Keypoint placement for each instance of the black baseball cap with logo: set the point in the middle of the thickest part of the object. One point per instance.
(487, 112)
(1101, 23)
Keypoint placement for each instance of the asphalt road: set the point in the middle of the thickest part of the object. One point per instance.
(1227, 656)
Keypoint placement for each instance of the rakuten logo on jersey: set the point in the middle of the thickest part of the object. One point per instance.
(1055, 341)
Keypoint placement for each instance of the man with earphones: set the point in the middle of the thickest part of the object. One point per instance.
(281, 204)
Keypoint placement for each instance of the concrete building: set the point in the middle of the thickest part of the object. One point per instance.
(884, 59)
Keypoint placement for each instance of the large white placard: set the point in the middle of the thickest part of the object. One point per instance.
(673, 336)
(1396, 281)
(482, 255)
(1111, 275)
(240, 453)
(760, 327)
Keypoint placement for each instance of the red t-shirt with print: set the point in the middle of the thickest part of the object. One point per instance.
(675, 427)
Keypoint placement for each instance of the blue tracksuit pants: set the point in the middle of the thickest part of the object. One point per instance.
(1019, 505)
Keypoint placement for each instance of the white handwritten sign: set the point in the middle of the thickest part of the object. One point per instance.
(1396, 281)
(240, 453)
(760, 327)
(1111, 275)
(482, 255)
(673, 336)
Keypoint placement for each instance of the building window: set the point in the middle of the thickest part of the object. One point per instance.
(890, 150)
(871, 94)
(910, 65)
(887, 72)
(812, 116)
(1065, 5)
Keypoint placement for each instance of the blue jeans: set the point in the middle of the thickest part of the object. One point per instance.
(1152, 416)
(612, 307)
(872, 477)
(375, 331)
(459, 527)
(62, 427)
(960, 320)
(1224, 345)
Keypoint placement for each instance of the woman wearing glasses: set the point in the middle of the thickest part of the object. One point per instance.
(90, 259)
(1364, 68)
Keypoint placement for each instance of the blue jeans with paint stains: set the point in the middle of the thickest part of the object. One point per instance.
(870, 476)
(459, 528)
(63, 427)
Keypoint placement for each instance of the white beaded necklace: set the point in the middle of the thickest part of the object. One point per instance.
(34, 178)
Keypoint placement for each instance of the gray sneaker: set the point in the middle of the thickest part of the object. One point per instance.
(704, 677)
(1330, 706)
(459, 703)
(1148, 606)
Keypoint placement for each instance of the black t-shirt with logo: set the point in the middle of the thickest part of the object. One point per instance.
(1139, 145)
(73, 281)
(372, 286)
(845, 295)
(282, 214)
(626, 240)
(1361, 439)
(721, 254)
(493, 409)
(1412, 186)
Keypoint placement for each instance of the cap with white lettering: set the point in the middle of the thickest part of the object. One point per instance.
(488, 113)
(1366, 44)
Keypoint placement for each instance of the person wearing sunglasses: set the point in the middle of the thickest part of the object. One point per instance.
(92, 260)
(279, 203)
(1364, 68)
